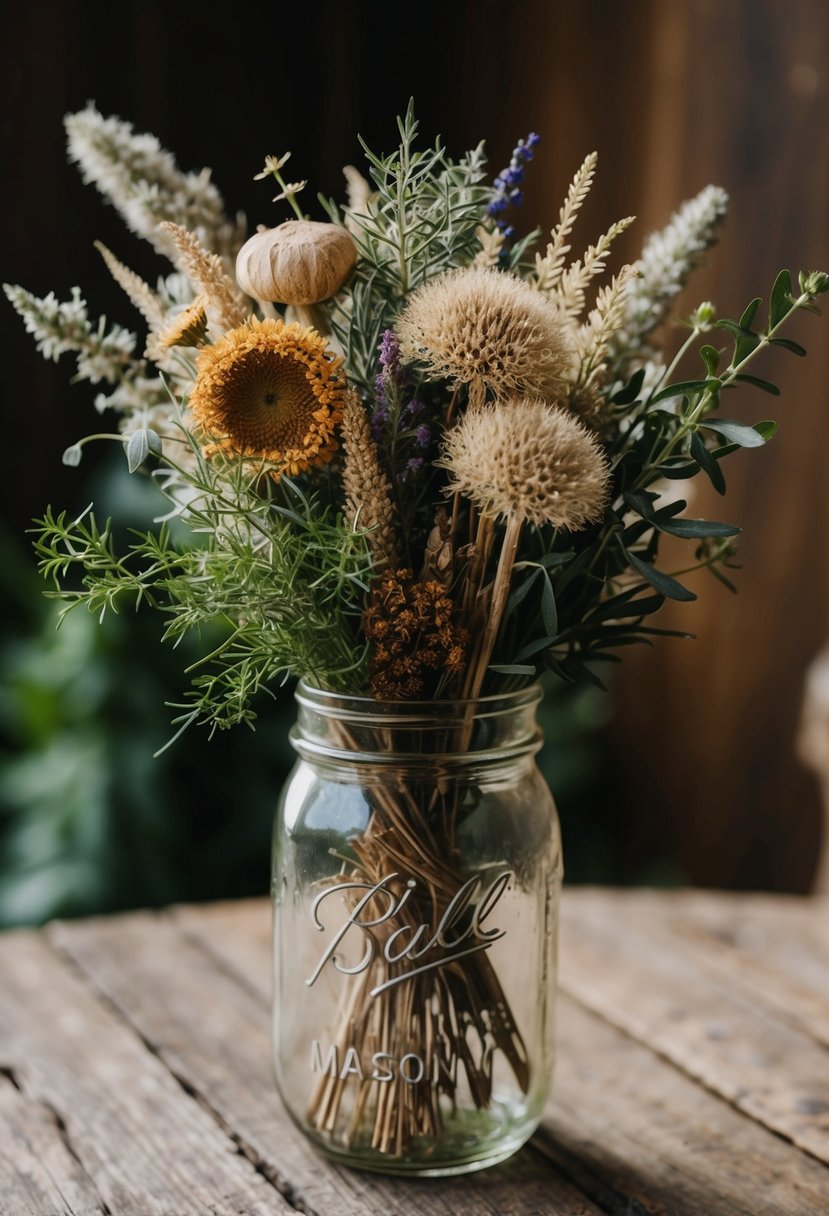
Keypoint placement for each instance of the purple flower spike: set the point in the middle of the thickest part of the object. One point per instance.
(506, 192)
(390, 353)
(423, 436)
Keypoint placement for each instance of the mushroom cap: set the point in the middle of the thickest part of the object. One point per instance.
(299, 262)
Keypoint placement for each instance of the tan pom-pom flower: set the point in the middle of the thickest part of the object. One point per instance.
(528, 460)
(488, 329)
(270, 391)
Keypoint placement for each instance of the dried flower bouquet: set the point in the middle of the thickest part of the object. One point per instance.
(407, 457)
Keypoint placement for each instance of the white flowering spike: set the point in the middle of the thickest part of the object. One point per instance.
(103, 354)
(666, 263)
(141, 179)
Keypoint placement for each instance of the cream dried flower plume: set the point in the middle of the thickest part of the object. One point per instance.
(525, 459)
(486, 328)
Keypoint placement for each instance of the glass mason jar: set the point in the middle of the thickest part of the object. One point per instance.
(416, 879)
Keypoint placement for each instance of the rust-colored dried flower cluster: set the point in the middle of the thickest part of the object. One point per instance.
(415, 636)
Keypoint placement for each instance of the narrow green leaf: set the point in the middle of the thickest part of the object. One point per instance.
(512, 669)
(707, 463)
(788, 344)
(534, 648)
(683, 388)
(628, 394)
(642, 501)
(642, 606)
(711, 358)
(767, 429)
(735, 432)
(663, 583)
(747, 319)
(697, 529)
(679, 472)
(520, 593)
(573, 669)
(721, 578)
(782, 300)
(765, 385)
(549, 560)
(745, 341)
(549, 612)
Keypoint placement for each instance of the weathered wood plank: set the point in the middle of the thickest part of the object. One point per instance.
(214, 1032)
(38, 1174)
(646, 1140)
(631, 1130)
(774, 947)
(622, 961)
(146, 1148)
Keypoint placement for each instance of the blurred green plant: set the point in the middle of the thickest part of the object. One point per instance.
(89, 821)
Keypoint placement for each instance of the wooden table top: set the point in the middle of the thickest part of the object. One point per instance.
(692, 1078)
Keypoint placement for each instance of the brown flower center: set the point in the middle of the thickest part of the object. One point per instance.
(266, 402)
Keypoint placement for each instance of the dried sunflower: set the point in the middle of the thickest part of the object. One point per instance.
(270, 391)
(187, 328)
(488, 329)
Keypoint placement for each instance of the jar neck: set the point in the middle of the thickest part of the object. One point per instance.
(345, 728)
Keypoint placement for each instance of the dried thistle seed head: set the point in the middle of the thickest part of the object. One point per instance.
(530, 460)
(300, 262)
(488, 329)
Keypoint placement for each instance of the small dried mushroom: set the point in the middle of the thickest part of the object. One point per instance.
(299, 263)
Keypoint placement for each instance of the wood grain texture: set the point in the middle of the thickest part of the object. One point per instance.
(773, 950)
(134, 1144)
(629, 1129)
(214, 1033)
(621, 960)
(135, 1071)
(642, 1138)
(38, 1171)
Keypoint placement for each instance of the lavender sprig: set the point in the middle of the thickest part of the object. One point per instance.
(507, 183)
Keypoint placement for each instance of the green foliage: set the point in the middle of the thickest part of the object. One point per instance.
(421, 220)
(605, 583)
(271, 567)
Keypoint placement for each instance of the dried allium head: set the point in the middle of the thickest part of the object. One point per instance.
(530, 460)
(270, 391)
(488, 329)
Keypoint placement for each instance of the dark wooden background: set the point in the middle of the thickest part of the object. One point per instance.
(673, 95)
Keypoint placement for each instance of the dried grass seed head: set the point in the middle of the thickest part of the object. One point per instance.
(486, 328)
(527, 459)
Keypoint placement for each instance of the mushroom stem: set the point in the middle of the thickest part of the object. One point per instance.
(311, 315)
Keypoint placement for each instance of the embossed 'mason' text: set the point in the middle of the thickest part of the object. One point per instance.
(415, 948)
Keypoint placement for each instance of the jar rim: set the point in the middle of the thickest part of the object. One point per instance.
(321, 700)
